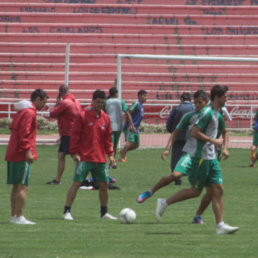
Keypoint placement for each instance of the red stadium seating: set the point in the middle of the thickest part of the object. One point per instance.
(33, 37)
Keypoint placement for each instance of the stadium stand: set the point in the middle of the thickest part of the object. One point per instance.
(33, 37)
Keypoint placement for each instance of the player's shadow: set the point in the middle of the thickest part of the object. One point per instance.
(162, 233)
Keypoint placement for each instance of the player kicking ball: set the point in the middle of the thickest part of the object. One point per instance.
(201, 99)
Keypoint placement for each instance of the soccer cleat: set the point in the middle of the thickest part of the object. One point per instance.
(122, 159)
(109, 216)
(23, 221)
(251, 165)
(144, 196)
(197, 220)
(114, 166)
(13, 219)
(161, 207)
(53, 182)
(178, 182)
(67, 216)
(112, 180)
(226, 229)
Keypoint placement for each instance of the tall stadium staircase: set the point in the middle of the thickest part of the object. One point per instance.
(34, 34)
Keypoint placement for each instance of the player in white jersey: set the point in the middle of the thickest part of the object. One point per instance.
(115, 108)
(205, 168)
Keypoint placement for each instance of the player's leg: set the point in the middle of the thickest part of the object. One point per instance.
(115, 141)
(60, 166)
(182, 169)
(165, 180)
(215, 180)
(100, 175)
(18, 174)
(62, 152)
(182, 195)
(197, 179)
(21, 195)
(177, 153)
(13, 201)
(206, 199)
(81, 171)
(132, 143)
(254, 155)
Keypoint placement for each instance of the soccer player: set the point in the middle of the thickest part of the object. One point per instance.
(91, 141)
(174, 117)
(201, 99)
(21, 152)
(137, 113)
(254, 155)
(205, 168)
(65, 110)
(115, 107)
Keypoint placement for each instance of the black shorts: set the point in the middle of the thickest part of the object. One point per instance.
(64, 144)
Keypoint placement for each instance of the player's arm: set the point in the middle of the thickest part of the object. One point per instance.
(131, 125)
(75, 138)
(196, 133)
(225, 136)
(58, 109)
(170, 142)
(26, 134)
(108, 142)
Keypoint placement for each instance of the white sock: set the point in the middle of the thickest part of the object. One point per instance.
(220, 224)
(165, 202)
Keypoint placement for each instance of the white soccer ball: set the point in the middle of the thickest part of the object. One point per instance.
(127, 216)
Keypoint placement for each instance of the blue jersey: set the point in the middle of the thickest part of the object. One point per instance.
(137, 113)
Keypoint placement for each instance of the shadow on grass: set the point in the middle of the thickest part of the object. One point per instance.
(162, 233)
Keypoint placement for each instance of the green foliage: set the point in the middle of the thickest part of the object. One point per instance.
(43, 124)
(89, 236)
(153, 128)
(5, 122)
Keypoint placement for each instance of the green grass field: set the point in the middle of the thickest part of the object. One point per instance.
(89, 236)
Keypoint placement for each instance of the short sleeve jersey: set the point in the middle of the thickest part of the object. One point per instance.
(115, 107)
(210, 121)
(186, 124)
(137, 113)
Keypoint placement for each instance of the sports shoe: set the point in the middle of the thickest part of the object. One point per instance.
(197, 220)
(178, 182)
(161, 207)
(53, 182)
(226, 229)
(144, 196)
(108, 216)
(67, 216)
(13, 219)
(112, 180)
(23, 220)
(122, 159)
(251, 165)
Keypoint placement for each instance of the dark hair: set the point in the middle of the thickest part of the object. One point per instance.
(98, 94)
(141, 92)
(112, 92)
(38, 93)
(201, 94)
(186, 96)
(218, 90)
(63, 90)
